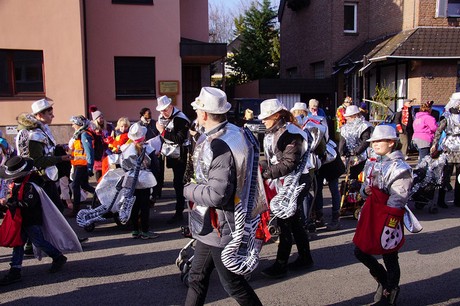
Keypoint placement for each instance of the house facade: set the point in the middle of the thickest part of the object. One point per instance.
(116, 54)
(352, 47)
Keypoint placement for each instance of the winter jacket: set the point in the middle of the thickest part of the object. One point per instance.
(287, 152)
(218, 193)
(424, 127)
(31, 208)
(392, 175)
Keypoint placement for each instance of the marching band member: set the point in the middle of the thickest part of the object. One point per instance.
(214, 192)
(388, 181)
(283, 144)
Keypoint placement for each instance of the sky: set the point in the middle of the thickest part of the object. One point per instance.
(235, 4)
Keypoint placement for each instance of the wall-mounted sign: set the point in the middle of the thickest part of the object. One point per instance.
(169, 88)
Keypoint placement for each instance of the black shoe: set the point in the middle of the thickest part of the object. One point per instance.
(277, 270)
(13, 276)
(82, 239)
(57, 264)
(29, 251)
(175, 218)
(301, 263)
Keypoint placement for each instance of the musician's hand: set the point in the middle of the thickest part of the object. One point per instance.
(66, 157)
(432, 149)
(368, 190)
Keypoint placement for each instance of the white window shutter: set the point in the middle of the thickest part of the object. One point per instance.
(441, 8)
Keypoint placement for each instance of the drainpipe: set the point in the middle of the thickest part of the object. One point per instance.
(85, 42)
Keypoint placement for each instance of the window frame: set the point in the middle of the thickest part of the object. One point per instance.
(133, 2)
(442, 9)
(122, 73)
(355, 17)
(11, 74)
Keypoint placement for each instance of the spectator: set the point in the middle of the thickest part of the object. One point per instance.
(404, 120)
(314, 109)
(174, 126)
(353, 140)
(100, 130)
(215, 188)
(283, 145)
(147, 121)
(424, 128)
(120, 135)
(82, 151)
(450, 124)
(340, 114)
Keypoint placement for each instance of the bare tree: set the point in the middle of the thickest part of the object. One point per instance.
(220, 24)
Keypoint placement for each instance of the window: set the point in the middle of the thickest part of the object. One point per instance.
(318, 70)
(448, 8)
(292, 72)
(148, 2)
(135, 77)
(21, 73)
(350, 18)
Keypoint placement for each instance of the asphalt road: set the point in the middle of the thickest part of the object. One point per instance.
(115, 269)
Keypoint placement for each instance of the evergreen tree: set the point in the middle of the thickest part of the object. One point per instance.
(258, 55)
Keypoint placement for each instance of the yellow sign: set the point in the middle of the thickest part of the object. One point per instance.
(169, 87)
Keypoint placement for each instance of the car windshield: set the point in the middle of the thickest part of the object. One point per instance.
(253, 105)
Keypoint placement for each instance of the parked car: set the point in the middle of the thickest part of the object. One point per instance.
(236, 116)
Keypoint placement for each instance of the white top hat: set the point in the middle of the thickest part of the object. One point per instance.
(40, 105)
(270, 107)
(163, 103)
(455, 96)
(383, 132)
(212, 100)
(137, 132)
(299, 106)
(351, 110)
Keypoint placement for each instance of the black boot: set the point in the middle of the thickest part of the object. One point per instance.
(277, 270)
(442, 198)
(13, 276)
(388, 297)
(335, 224)
(301, 263)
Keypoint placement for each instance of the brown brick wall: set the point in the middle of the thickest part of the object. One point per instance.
(438, 81)
(427, 13)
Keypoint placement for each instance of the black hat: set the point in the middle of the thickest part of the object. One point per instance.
(15, 167)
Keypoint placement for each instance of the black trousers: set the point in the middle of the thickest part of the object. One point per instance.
(294, 226)
(205, 259)
(80, 181)
(389, 277)
(52, 192)
(178, 167)
(141, 210)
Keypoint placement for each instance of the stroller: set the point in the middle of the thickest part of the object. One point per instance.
(351, 200)
(427, 178)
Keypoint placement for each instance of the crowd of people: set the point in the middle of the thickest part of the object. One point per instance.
(207, 157)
